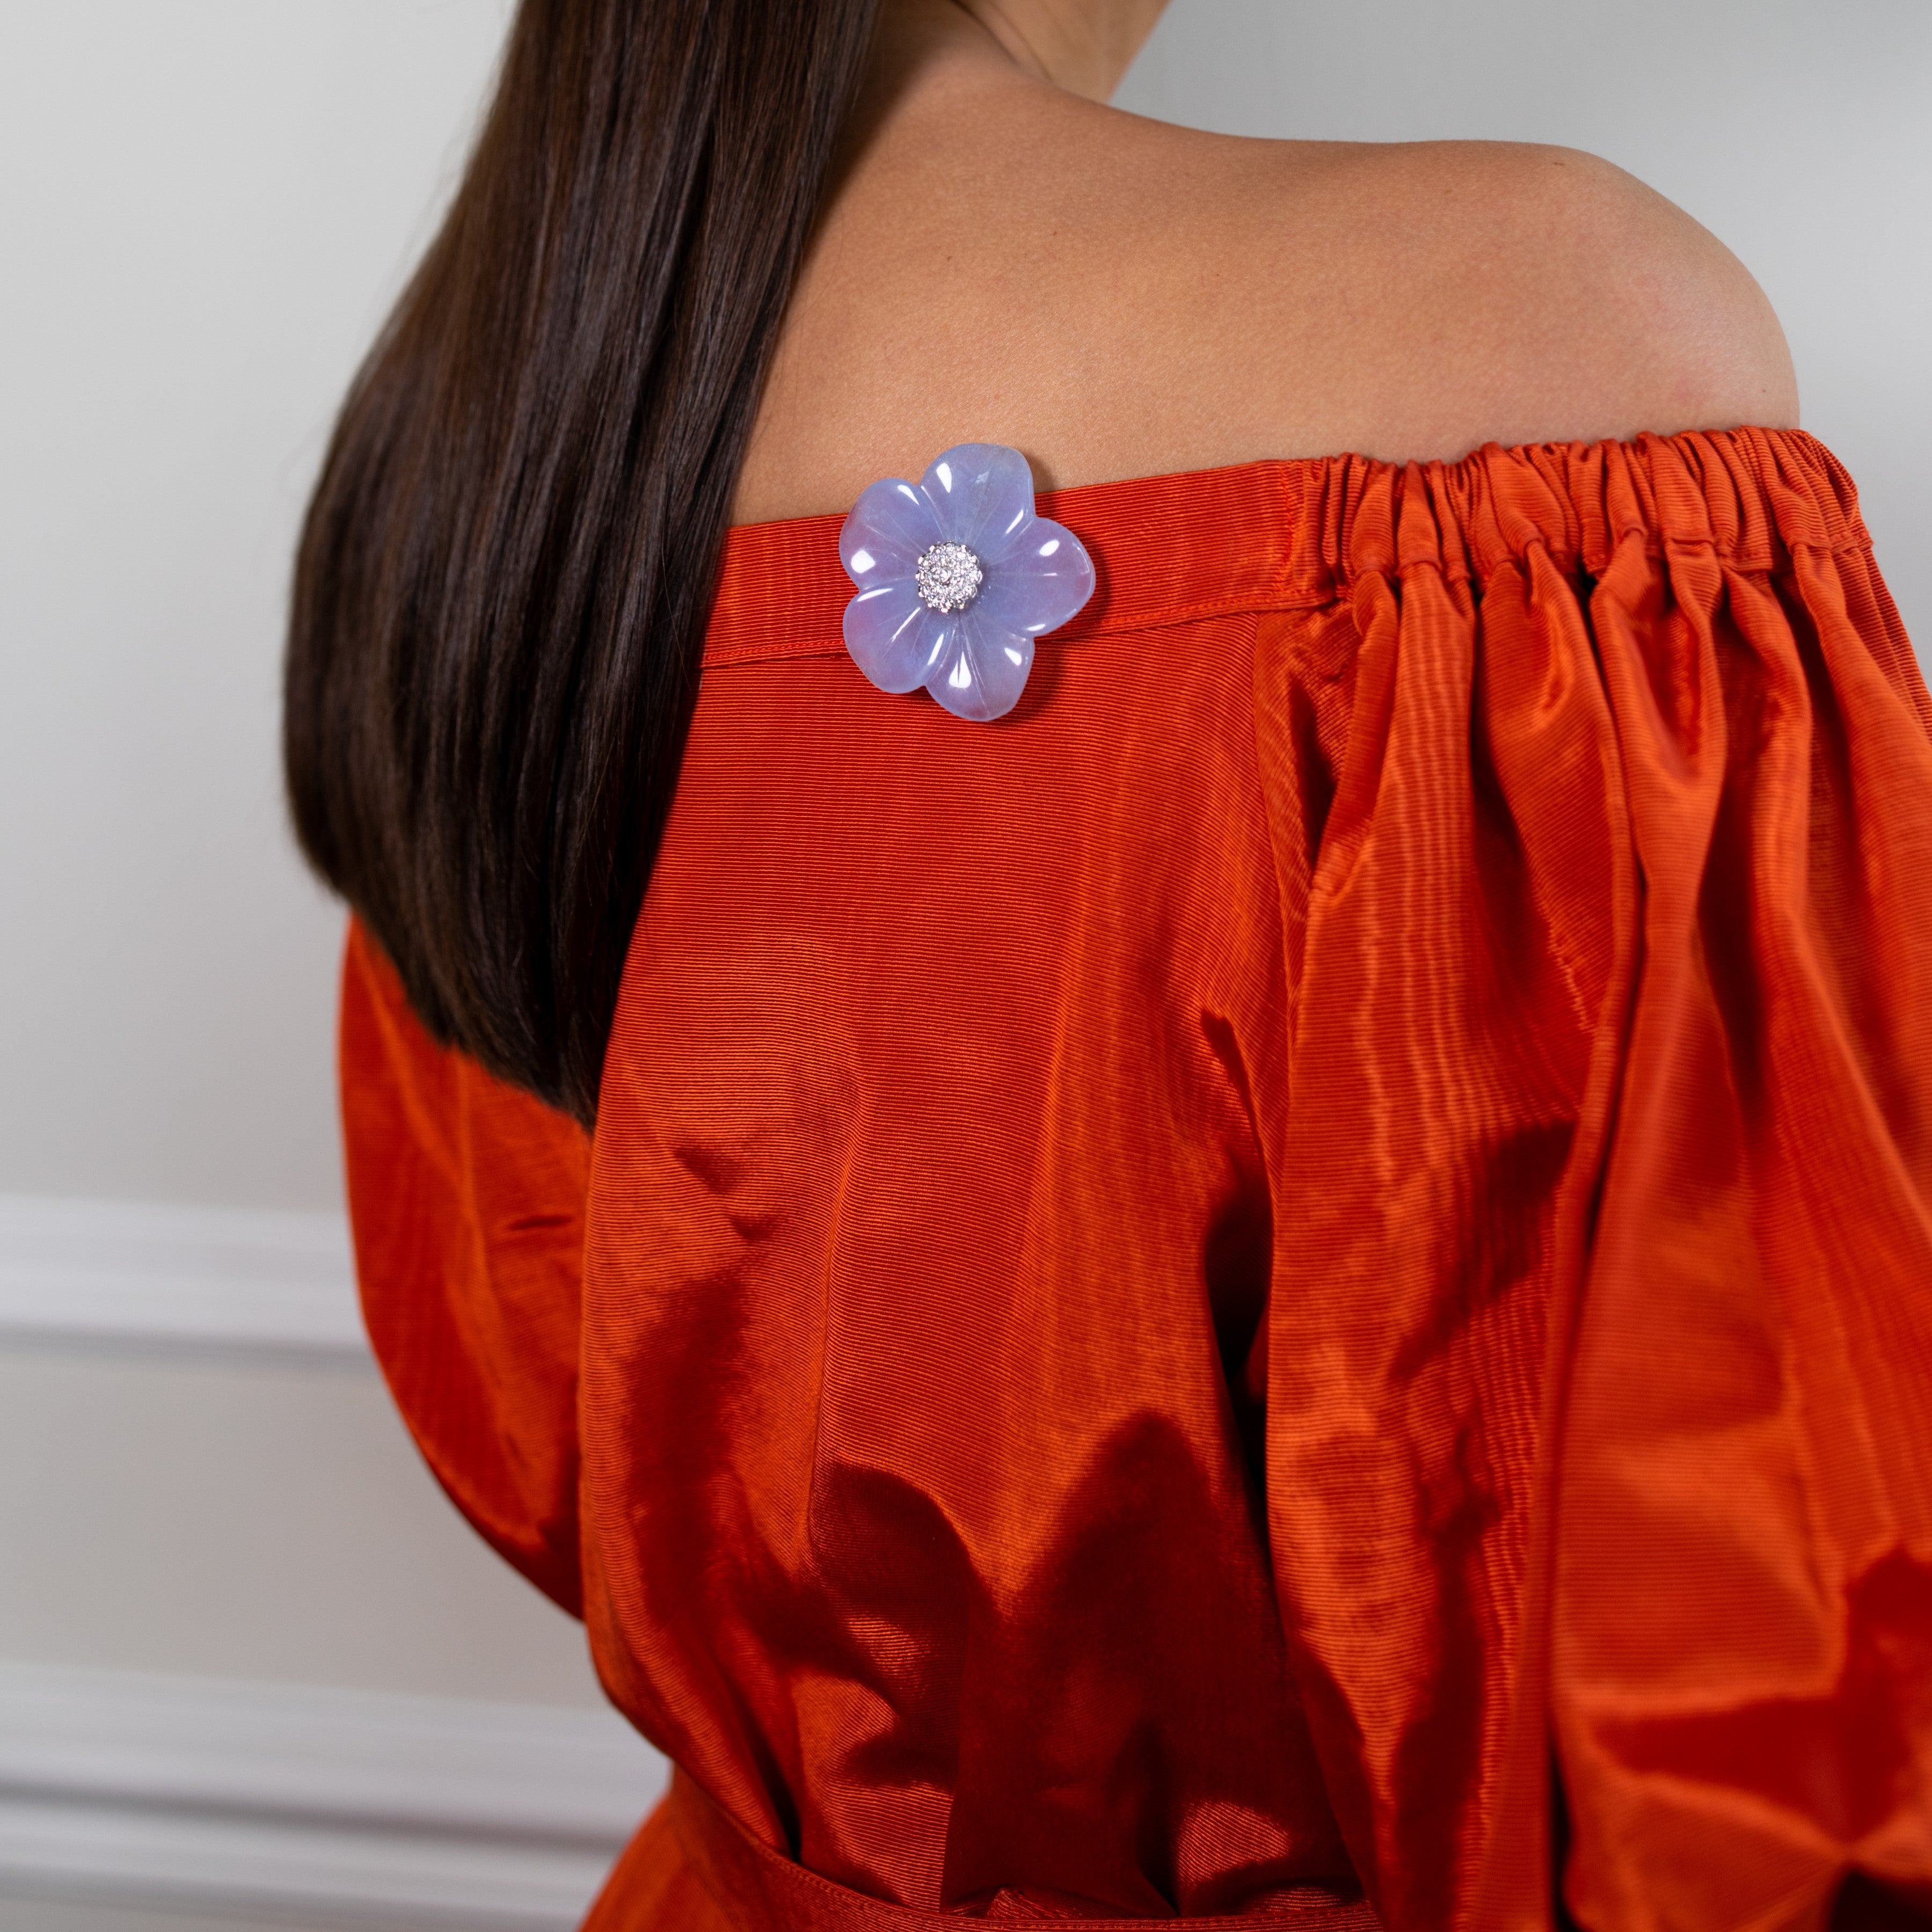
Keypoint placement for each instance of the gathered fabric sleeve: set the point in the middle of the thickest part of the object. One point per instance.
(1599, 1355)
(467, 1203)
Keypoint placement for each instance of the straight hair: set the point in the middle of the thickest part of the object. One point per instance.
(506, 569)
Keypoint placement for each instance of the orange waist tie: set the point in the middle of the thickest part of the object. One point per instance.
(756, 1889)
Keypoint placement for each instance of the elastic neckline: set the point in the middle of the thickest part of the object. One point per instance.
(1288, 533)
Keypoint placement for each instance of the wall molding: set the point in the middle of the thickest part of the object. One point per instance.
(350, 1807)
(125, 1274)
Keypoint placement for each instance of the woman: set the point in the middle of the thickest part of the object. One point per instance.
(1294, 1282)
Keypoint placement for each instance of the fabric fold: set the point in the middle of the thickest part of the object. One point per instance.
(1600, 1337)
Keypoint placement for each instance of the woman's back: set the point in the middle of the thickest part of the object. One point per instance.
(1003, 261)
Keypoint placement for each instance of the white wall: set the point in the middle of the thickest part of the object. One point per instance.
(197, 1515)
(207, 206)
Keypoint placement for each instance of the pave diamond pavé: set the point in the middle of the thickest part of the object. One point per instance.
(949, 576)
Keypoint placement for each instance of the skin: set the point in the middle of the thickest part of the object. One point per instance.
(1004, 258)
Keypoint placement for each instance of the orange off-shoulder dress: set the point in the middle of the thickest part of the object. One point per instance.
(1295, 1284)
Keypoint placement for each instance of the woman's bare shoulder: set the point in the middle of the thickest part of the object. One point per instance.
(1452, 294)
(1120, 298)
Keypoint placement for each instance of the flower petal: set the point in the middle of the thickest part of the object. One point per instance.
(981, 492)
(1038, 581)
(983, 669)
(891, 527)
(894, 639)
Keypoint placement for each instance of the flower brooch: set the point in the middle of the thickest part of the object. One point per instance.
(957, 576)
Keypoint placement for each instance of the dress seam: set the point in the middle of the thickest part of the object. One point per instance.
(1338, 592)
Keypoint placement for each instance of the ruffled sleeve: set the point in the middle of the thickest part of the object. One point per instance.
(466, 1200)
(1599, 1368)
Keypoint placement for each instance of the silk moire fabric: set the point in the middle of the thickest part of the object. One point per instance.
(1294, 1284)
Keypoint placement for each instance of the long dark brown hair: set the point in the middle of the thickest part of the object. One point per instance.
(503, 579)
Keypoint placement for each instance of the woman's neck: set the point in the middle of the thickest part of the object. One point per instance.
(1083, 47)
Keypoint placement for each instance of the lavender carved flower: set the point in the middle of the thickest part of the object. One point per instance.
(956, 576)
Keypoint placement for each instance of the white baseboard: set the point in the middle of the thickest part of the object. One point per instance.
(126, 1274)
(349, 1807)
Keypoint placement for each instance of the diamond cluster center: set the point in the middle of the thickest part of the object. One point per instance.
(949, 576)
